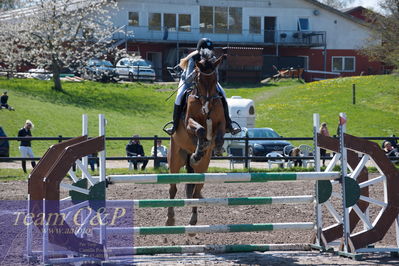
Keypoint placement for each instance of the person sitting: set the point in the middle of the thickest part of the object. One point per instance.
(296, 152)
(135, 149)
(186, 80)
(3, 102)
(162, 151)
(389, 150)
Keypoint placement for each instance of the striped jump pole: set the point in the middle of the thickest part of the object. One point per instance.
(209, 249)
(223, 228)
(155, 203)
(221, 177)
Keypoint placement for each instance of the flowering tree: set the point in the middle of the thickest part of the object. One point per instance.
(383, 44)
(57, 34)
(337, 3)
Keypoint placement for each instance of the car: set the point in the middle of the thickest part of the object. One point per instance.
(100, 70)
(135, 69)
(4, 145)
(258, 147)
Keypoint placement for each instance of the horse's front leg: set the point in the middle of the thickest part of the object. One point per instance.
(199, 131)
(219, 140)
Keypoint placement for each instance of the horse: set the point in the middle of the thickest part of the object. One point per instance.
(200, 131)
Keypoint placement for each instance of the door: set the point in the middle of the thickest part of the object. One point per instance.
(156, 60)
(270, 29)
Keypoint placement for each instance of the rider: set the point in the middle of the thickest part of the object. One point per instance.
(187, 77)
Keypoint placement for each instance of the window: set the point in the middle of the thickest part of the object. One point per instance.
(154, 21)
(133, 18)
(343, 63)
(169, 21)
(206, 19)
(235, 20)
(254, 25)
(303, 24)
(220, 19)
(184, 22)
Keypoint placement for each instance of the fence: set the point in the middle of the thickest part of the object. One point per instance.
(246, 157)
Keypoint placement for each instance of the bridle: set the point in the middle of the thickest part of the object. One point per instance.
(204, 99)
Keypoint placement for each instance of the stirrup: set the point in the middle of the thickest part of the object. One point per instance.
(170, 130)
(234, 130)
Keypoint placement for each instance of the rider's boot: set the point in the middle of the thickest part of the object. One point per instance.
(176, 117)
(229, 127)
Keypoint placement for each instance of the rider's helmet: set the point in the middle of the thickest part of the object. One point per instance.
(204, 43)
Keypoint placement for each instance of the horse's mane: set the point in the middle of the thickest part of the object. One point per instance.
(207, 54)
(208, 58)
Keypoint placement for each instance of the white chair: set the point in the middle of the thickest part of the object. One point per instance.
(279, 162)
(306, 150)
(235, 152)
(131, 154)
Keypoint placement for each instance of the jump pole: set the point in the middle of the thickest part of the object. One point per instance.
(221, 177)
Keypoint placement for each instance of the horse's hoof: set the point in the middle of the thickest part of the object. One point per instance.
(170, 222)
(193, 221)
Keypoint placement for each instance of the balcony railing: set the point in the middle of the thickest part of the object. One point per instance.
(191, 35)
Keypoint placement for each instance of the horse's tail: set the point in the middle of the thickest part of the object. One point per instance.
(189, 187)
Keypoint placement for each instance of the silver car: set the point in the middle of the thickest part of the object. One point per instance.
(134, 69)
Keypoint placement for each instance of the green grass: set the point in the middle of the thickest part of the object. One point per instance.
(286, 106)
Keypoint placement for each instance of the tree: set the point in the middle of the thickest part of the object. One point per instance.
(338, 4)
(58, 34)
(383, 43)
(8, 4)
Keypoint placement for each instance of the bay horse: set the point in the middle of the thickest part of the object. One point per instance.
(200, 130)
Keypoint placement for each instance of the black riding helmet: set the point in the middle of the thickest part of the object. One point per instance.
(204, 43)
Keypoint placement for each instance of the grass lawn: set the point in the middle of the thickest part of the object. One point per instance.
(135, 108)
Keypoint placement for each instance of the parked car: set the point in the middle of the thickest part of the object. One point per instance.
(4, 145)
(135, 69)
(100, 70)
(258, 147)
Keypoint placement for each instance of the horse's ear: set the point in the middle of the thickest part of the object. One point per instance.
(218, 61)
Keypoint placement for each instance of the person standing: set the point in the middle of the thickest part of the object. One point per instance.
(323, 130)
(25, 146)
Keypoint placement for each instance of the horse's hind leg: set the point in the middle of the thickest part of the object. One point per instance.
(174, 167)
(190, 189)
(171, 212)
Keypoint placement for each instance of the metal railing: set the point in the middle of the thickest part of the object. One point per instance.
(226, 36)
(246, 157)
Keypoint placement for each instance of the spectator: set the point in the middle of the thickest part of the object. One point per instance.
(3, 102)
(389, 149)
(93, 160)
(323, 130)
(296, 152)
(135, 149)
(25, 146)
(162, 151)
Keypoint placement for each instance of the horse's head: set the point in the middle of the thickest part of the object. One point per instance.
(206, 69)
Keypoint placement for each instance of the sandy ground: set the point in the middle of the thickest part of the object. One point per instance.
(13, 239)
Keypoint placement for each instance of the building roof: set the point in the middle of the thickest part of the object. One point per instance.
(337, 12)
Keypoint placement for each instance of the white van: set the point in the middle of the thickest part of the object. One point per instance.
(241, 111)
(135, 69)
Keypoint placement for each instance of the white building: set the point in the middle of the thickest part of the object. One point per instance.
(292, 33)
